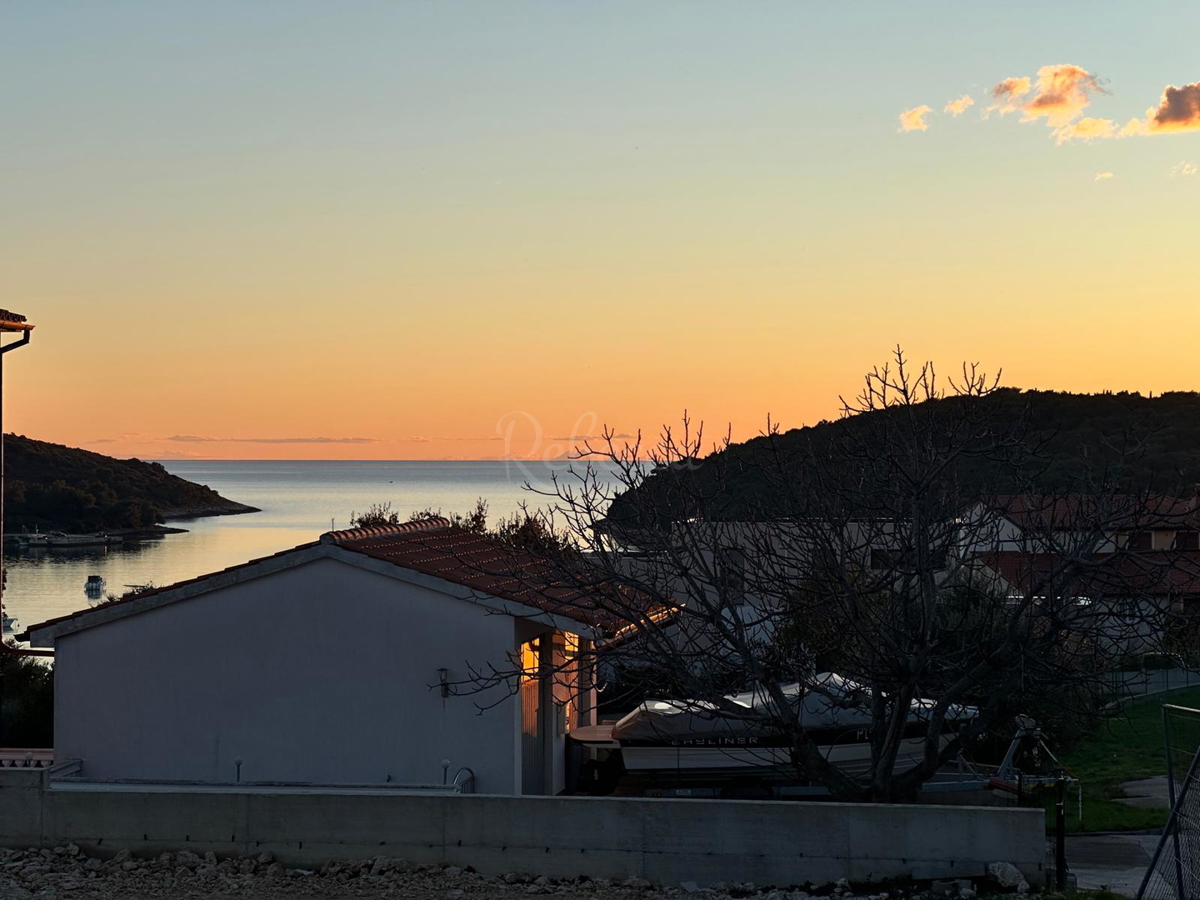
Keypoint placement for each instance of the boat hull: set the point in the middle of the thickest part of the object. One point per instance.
(852, 758)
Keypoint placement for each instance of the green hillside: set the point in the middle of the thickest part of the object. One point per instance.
(1140, 442)
(51, 487)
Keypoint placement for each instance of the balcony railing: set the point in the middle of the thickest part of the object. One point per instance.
(19, 758)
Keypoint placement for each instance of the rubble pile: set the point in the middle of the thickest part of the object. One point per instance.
(67, 873)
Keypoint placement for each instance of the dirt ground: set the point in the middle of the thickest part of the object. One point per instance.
(66, 873)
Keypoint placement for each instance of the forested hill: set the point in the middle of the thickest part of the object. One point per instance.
(50, 487)
(1076, 434)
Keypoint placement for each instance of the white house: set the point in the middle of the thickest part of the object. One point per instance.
(1101, 524)
(325, 664)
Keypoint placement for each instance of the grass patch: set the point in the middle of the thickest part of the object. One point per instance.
(1125, 747)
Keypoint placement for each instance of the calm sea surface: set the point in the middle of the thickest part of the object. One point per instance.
(299, 501)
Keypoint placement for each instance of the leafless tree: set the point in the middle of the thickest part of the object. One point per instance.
(912, 550)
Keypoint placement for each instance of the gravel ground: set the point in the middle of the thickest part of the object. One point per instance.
(66, 873)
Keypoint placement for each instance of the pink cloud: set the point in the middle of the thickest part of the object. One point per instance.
(1178, 110)
(1007, 94)
(1063, 92)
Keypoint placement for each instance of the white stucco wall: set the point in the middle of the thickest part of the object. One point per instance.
(314, 674)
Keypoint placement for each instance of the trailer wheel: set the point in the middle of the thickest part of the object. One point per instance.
(599, 779)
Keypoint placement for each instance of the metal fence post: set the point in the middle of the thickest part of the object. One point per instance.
(1175, 873)
(1170, 749)
(1060, 834)
(1166, 716)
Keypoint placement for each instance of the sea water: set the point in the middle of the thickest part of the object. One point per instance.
(299, 500)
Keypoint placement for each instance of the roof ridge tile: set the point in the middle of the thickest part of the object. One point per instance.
(433, 523)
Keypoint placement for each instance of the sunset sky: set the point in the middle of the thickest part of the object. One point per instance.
(393, 230)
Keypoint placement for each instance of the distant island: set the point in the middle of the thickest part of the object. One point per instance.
(51, 487)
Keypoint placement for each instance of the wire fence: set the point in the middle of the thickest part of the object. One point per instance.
(1174, 872)
(1132, 683)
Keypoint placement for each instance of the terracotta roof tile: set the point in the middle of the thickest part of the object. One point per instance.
(433, 523)
(1158, 573)
(433, 547)
(1119, 512)
(482, 563)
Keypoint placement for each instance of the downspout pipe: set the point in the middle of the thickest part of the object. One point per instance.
(4, 647)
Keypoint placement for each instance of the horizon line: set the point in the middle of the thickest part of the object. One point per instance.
(462, 459)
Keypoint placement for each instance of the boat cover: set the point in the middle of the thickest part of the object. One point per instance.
(829, 702)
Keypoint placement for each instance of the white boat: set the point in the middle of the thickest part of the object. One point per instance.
(81, 540)
(94, 587)
(10, 625)
(694, 737)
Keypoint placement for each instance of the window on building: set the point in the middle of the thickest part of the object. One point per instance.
(530, 665)
(568, 684)
(1187, 540)
(1140, 540)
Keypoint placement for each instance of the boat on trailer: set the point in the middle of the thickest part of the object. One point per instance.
(682, 742)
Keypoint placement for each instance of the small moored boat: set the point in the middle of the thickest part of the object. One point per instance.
(99, 539)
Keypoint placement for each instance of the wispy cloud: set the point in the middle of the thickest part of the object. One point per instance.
(914, 119)
(199, 439)
(1006, 96)
(430, 439)
(957, 107)
(1059, 96)
(1178, 110)
(1062, 93)
(1103, 176)
(591, 437)
(1086, 129)
(1183, 170)
(123, 436)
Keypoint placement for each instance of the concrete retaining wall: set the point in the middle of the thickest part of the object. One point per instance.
(666, 841)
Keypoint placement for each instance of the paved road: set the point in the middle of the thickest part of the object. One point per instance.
(1150, 793)
(1117, 862)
